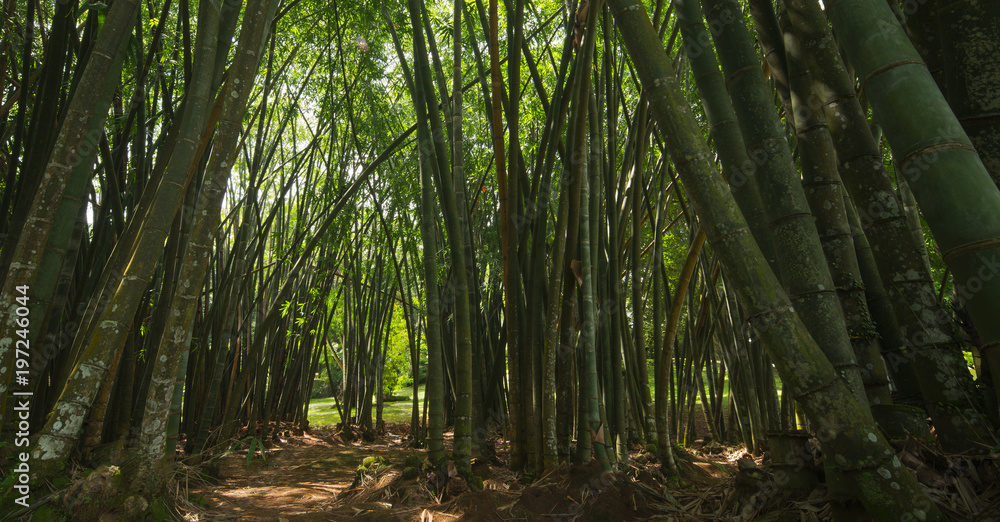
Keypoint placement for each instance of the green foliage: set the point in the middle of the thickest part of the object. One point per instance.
(370, 466)
(373, 462)
(258, 445)
(159, 510)
(322, 387)
(255, 446)
(396, 372)
(48, 513)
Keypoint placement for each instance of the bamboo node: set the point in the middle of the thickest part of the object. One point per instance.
(986, 348)
(983, 244)
(826, 384)
(764, 320)
(886, 67)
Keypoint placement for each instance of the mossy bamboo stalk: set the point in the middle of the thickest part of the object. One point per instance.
(37, 257)
(175, 343)
(824, 193)
(590, 392)
(458, 240)
(850, 439)
(934, 154)
(802, 265)
(58, 436)
(722, 124)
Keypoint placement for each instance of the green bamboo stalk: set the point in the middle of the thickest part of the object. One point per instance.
(638, 305)
(934, 155)
(722, 124)
(824, 193)
(612, 77)
(58, 436)
(659, 294)
(428, 212)
(536, 215)
(673, 321)
(773, 48)
(849, 436)
(508, 247)
(912, 213)
(589, 392)
(802, 265)
(175, 343)
(38, 255)
(569, 187)
(462, 445)
(561, 289)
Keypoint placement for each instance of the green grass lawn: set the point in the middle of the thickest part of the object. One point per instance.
(704, 380)
(323, 412)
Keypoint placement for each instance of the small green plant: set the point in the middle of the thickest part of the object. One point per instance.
(373, 463)
(255, 445)
(158, 510)
(258, 445)
(725, 471)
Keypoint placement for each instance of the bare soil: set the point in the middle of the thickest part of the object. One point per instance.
(320, 476)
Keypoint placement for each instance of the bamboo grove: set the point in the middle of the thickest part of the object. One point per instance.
(593, 223)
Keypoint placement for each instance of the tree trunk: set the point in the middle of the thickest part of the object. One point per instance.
(58, 437)
(802, 265)
(935, 157)
(824, 192)
(849, 436)
(175, 342)
(62, 189)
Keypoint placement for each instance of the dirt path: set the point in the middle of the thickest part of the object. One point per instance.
(299, 480)
(310, 478)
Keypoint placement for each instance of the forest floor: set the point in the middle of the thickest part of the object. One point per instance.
(321, 476)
